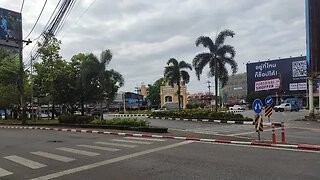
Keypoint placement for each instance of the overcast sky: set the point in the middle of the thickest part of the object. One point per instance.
(144, 34)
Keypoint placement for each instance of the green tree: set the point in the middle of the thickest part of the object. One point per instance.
(174, 73)
(94, 82)
(154, 91)
(47, 71)
(9, 69)
(218, 56)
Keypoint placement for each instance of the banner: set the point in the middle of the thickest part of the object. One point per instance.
(267, 84)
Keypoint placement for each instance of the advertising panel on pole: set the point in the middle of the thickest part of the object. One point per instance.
(313, 35)
(10, 28)
(286, 75)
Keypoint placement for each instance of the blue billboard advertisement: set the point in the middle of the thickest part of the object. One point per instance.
(10, 27)
(282, 75)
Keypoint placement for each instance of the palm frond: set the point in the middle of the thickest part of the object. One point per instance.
(226, 50)
(205, 41)
(184, 65)
(233, 64)
(173, 61)
(185, 76)
(200, 61)
(222, 36)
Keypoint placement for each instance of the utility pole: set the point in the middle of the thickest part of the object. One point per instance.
(31, 87)
(20, 78)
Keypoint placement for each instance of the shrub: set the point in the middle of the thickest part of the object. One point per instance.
(132, 122)
(74, 119)
(200, 114)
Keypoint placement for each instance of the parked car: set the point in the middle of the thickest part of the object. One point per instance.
(236, 107)
(286, 107)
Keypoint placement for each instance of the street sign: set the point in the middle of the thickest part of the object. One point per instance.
(268, 101)
(268, 111)
(258, 123)
(257, 106)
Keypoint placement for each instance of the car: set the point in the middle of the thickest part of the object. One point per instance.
(285, 107)
(236, 107)
(159, 110)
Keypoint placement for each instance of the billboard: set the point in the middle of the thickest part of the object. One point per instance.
(282, 75)
(10, 26)
(313, 36)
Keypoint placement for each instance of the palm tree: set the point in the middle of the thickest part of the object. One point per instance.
(218, 56)
(174, 73)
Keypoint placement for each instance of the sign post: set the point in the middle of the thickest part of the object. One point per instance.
(257, 107)
(268, 108)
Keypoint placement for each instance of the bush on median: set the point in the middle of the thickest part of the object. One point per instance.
(200, 114)
(74, 119)
(129, 122)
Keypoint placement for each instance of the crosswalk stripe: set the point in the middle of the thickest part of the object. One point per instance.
(98, 147)
(131, 141)
(116, 144)
(145, 139)
(4, 172)
(77, 151)
(25, 162)
(53, 156)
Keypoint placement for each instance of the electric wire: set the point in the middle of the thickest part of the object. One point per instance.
(22, 6)
(37, 19)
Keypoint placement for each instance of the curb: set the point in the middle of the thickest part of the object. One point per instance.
(251, 143)
(205, 120)
(129, 115)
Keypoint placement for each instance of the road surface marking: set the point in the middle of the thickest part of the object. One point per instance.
(4, 172)
(110, 161)
(131, 141)
(251, 132)
(145, 139)
(53, 156)
(77, 151)
(98, 147)
(263, 147)
(116, 144)
(25, 162)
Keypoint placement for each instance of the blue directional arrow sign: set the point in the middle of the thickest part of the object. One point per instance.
(257, 106)
(268, 101)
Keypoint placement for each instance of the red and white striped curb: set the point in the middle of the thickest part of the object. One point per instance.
(254, 143)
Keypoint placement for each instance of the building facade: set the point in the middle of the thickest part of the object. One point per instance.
(168, 94)
(236, 87)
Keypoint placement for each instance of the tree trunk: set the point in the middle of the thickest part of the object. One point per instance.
(53, 111)
(101, 111)
(216, 84)
(82, 107)
(179, 99)
(5, 114)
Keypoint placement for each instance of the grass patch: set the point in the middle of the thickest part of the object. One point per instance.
(31, 122)
(129, 122)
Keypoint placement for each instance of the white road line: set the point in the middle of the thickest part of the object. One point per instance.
(4, 172)
(98, 147)
(25, 162)
(145, 139)
(116, 144)
(77, 151)
(131, 141)
(110, 161)
(263, 147)
(52, 156)
(252, 132)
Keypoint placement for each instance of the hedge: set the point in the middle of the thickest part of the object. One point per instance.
(75, 119)
(200, 114)
(130, 122)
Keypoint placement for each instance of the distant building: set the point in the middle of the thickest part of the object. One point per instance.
(168, 94)
(236, 87)
(200, 98)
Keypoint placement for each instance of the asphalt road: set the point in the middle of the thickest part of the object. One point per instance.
(36, 154)
(304, 132)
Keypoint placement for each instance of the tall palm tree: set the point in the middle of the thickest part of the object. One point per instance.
(174, 73)
(218, 56)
